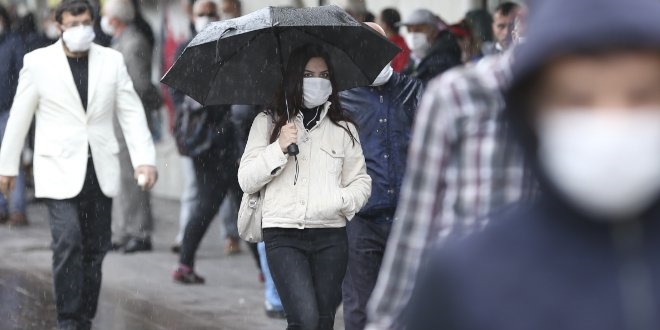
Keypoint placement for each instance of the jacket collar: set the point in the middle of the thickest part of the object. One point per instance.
(95, 64)
(324, 113)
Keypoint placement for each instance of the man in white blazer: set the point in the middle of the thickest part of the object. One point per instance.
(74, 88)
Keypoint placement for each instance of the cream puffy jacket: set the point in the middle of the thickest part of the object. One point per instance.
(332, 183)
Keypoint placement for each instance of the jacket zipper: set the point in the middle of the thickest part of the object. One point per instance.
(635, 279)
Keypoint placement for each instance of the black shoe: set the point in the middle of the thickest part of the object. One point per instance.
(117, 246)
(176, 248)
(138, 245)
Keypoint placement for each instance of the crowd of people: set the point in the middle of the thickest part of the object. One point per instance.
(497, 174)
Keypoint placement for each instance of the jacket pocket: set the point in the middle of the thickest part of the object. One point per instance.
(333, 159)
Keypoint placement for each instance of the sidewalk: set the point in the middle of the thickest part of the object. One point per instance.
(138, 292)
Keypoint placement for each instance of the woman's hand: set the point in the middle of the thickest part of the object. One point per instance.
(288, 136)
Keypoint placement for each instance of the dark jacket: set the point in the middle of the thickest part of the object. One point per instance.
(444, 54)
(384, 116)
(11, 62)
(547, 265)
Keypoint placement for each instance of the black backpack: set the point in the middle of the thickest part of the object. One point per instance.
(197, 128)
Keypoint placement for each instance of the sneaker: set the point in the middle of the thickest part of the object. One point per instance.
(4, 217)
(176, 248)
(274, 313)
(233, 246)
(185, 275)
(18, 220)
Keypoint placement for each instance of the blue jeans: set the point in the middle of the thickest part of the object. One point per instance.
(367, 239)
(272, 298)
(16, 204)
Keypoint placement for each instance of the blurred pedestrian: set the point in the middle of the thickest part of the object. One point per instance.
(384, 114)
(481, 171)
(12, 206)
(503, 19)
(480, 24)
(26, 27)
(434, 49)
(389, 20)
(231, 9)
(208, 136)
(75, 88)
(585, 106)
(307, 199)
(133, 227)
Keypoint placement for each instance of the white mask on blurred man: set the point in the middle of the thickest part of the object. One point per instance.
(201, 22)
(606, 163)
(384, 76)
(418, 44)
(50, 30)
(78, 39)
(106, 27)
(316, 91)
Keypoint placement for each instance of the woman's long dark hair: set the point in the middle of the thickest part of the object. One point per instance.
(292, 87)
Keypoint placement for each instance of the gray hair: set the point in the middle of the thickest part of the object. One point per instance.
(122, 10)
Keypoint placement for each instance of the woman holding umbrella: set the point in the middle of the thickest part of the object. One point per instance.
(308, 197)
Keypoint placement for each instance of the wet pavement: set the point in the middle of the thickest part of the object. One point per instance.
(26, 303)
(138, 292)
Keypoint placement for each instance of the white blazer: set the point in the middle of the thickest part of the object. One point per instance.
(65, 132)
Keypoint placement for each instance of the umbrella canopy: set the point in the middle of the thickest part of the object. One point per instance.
(241, 61)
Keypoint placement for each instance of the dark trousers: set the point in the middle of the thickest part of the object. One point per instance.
(216, 175)
(308, 267)
(81, 231)
(366, 246)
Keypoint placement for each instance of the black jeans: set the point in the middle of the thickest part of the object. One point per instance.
(216, 175)
(308, 267)
(81, 233)
(366, 246)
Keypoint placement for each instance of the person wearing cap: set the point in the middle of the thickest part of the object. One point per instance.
(585, 106)
(434, 48)
(384, 113)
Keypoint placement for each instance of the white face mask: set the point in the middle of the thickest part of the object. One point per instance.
(51, 31)
(384, 76)
(225, 16)
(607, 164)
(316, 91)
(418, 44)
(78, 39)
(201, 22)
(106, 27)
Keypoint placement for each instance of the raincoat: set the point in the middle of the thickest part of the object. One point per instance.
(384, 115)
(547, 265)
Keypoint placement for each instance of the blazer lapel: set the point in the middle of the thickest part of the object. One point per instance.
(67, 79)
(95, 67)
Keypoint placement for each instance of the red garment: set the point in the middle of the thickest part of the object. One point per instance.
(401, 60)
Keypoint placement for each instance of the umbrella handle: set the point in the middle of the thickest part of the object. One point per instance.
(292, 150)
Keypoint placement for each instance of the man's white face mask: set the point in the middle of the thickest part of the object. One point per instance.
(605, 162)
(78, 39)
(201, 22)
(418, 44)
(384, 76)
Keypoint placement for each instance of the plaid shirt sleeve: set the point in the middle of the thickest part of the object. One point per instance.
(421, 202)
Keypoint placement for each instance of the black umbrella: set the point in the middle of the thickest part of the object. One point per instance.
(241, 61)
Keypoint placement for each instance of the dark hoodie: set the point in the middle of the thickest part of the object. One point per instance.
(546, 265)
